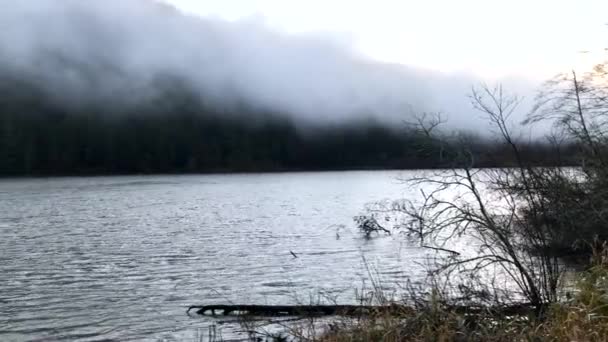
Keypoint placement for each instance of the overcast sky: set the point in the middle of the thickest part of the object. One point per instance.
(490, 38)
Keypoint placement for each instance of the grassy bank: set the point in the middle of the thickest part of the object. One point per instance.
(581, 316)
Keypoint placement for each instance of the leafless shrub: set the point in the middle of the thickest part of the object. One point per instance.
(503, 225)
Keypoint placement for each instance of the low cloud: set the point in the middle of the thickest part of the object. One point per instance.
(114, 50)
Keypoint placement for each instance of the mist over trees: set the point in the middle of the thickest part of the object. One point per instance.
(177, 132)
(116, 51)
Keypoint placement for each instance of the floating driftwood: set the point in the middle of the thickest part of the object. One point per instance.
(345, 310)
(293, 310)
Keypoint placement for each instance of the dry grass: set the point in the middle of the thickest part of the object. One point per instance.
(583, 318)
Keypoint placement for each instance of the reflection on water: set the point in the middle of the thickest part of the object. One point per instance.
(122, 257)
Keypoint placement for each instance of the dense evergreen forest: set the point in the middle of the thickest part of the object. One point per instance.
(176, 132)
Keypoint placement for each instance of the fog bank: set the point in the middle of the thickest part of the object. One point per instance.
(116, 51)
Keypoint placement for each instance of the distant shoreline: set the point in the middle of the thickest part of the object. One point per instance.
(243, 172)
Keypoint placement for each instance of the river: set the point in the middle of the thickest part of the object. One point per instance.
(121, 258)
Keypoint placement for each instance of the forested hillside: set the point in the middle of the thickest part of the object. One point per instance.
(176, 132)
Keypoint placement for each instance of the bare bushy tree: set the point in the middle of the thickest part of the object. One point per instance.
(483, 207)
(514, 224)
(578, 107)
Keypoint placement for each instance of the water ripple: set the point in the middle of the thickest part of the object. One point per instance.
(120, 258)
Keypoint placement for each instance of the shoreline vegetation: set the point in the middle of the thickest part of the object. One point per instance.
(581, 317)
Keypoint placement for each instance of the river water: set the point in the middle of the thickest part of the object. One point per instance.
(121, 258)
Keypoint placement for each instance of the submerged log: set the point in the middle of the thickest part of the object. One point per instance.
(351, 310)
(296, 310)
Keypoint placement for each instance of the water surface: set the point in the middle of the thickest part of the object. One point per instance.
(120, 258)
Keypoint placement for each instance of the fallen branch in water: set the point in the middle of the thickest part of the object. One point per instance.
(296, 310)
(348, 310)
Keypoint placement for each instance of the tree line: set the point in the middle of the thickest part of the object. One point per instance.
(177, 132)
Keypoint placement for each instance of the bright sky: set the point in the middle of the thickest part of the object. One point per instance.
(493, 38)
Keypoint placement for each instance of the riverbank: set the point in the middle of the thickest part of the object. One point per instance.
(581, 316)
